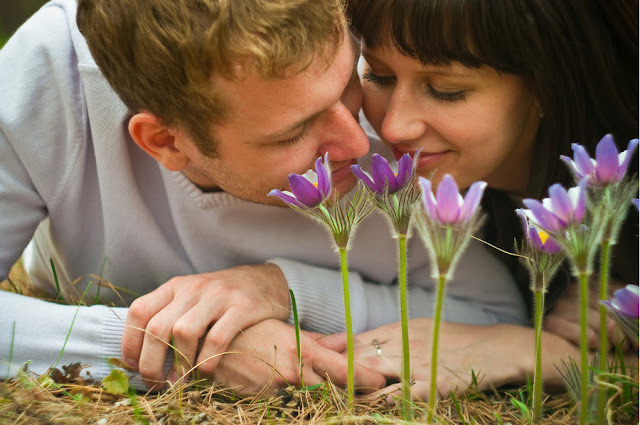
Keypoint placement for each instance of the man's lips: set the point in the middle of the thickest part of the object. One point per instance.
(341, 172)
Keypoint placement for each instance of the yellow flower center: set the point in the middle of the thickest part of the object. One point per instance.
(543, 236)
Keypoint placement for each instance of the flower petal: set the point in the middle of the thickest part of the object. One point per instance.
(584, 165)
(561, 203)
(364, 176)
(428, 200)
(541, 216)
(287, 197)
(578, 196)
(523, 220)
(534, 238)
(625, 157)
(304, 190)
(324, 175)
(471, 201)
(627, 301)
(405, 170)
(551, 246)
(382, 173)
(448, 200)
(634, 201)
(572, 165)
(606, 160)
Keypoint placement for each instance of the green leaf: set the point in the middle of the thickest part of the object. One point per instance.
(117, 382)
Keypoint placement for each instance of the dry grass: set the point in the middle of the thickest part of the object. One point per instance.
(26, 402)
(68, 399)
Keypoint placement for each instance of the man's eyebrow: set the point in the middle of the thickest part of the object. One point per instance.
(353, 78)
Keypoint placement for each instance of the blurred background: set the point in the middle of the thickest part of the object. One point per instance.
(13, 13)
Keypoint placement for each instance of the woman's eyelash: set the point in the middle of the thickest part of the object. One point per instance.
(445, 96)
(437, 95)
(376, 80)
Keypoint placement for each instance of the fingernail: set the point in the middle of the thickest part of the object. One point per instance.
(131, 363)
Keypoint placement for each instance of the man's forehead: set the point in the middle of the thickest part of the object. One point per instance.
(253, 97)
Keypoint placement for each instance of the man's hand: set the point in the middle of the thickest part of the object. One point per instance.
(199, 315)
(264, 357)
(564, 318)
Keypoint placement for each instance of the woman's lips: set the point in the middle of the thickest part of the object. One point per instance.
(425, 159)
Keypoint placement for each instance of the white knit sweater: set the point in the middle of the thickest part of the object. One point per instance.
(74, 184)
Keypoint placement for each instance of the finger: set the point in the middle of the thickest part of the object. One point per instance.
(593, 319)
(138, 316)
(187, 332)
(366, 339)
(334, 366)
(391, 395)
(564, 308)
(613, 334)
(310, 377)
(336, 342)
(566, 329)
(389, 367)
(157, 339)
(217, 340)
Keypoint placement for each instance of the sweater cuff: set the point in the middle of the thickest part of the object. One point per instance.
(319, 297)
(113, 321)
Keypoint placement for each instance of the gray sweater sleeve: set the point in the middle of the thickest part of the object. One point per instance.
(46, 334)
(481, 292)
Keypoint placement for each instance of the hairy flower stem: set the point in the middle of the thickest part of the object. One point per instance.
(347, 317)
(433, 393)
(584, 359)
(537, 376)
(604, 344)
(406, 366)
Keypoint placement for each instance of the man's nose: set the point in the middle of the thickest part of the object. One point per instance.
(344, 139)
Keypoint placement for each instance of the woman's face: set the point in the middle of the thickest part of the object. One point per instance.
(472, 123)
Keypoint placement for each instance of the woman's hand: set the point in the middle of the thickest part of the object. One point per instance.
(488, 355)
(564, 317)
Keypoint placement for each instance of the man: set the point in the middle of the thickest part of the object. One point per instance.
(157, 189)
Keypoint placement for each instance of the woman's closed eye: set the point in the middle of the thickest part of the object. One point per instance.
(445, 96)
(378, 80)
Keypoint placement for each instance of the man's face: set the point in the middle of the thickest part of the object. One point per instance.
(282, 126)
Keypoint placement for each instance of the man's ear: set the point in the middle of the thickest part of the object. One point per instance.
(158, 140)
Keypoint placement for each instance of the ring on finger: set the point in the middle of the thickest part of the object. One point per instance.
(376, 344)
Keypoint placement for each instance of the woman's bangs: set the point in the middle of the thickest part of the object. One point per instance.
(435, 32)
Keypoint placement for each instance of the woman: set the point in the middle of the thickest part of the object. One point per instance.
(497, 90)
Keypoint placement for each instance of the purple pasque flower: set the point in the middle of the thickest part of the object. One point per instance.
(309, 189)
(607, 168)
(539, 239)
(448, 207)
(634, 201)
(383, 176)
(561, 209)
(626, 301)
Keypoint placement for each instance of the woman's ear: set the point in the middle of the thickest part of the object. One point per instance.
(158, 140)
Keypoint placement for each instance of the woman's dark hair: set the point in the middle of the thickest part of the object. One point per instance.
(579, 58)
